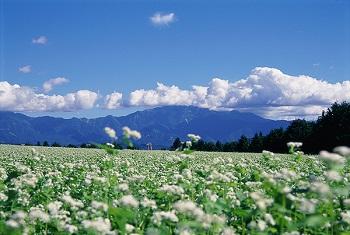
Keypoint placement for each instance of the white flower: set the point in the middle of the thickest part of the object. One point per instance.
(149, 203)
(212, 196)
(72, 202)
(320, 187)
(12, 223)
(286, 190)
(333, 175)
(38, 214)
(3, 197)
(294, 144)
(190, 208)
(217, 176)
(347, 202)
(342, 150)
(54, 207)
(185, 231)
(332, 157)
(167, 215)
(110, 145)
(110, 132)
(99, 205)
(299, 153)
(291, 197)
(292, 233)
(228, 231)
(131, 133)
(123, 187)
(187, 173)
(19, 216)
(259, 225)
(193, 137)
(174, 189)
(70, 228)
(345, 216)
(269, 219)
(33, 151)
(28, 179)
(100, 225)
(129, 200)
(267, 153)
(307, 206)
(129, 228)
(285, 174)
(3, 174)
(260, 200)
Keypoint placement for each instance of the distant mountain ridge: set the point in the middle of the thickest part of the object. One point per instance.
(160, 126)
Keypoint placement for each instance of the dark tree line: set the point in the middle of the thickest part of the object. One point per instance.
(84, 145)
(331, 129)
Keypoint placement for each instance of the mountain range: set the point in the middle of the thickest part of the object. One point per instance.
(159, 126)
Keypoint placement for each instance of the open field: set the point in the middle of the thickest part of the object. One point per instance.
(80, 191)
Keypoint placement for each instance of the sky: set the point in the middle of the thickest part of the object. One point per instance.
(278, 59)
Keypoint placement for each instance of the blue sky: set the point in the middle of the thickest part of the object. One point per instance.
(106, 46)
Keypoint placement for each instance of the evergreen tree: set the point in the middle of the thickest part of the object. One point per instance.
(218, 146)
(275, 141)
(55, 144)
(230, 146)
(257, 143)
(332, 128)
(243, 144)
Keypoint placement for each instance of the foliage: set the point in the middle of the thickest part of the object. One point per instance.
(331, 129)
(85, 191)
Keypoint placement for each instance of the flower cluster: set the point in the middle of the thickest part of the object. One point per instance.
(86, 191)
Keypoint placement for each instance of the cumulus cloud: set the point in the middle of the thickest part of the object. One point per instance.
(17, 98)
(113, 100)
(309, 112)
(25, 69)
(40, 40)
(160, 19)
(49, 84)
(266, 91)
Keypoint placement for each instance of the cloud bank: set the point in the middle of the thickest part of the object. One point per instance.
(113, 100)
(266, 91)
(159, 19)
(17, 98)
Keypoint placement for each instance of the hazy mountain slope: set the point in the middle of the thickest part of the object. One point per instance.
(159, 126)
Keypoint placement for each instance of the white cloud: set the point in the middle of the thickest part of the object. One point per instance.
(308, 112)
(49, 84)
(266, 91)
(162, 95)
(160, 19)
(113, 100)
(17, 98)
(25, 69)
(40, 40)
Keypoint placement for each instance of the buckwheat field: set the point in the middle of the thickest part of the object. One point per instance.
(88, 191)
